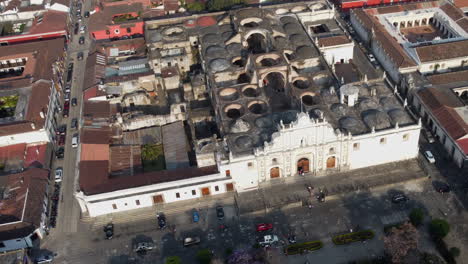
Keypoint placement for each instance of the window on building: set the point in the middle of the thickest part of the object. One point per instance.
(331, 151)
(177, 195)
(107, 32)
(405, 137)
(274, 160)
(356, 146)
(114, 206)
(228, 173)
(181, 59)
(169, 64)
(117, 31)
(194, 192)
(216, 188)
(250, 164)
(383, 141)
(129, 30)
(137, 202)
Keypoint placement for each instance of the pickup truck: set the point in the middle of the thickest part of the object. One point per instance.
(268, 240)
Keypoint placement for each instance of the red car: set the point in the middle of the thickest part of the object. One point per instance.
(264, 227)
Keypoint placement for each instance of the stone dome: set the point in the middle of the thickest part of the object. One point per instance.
(399, 116)
(211, 38)
(215, 51)
(375, 118)
(288, 19)
(219, 65)
(155, 36)
(234, 48)
(298, 38)
(244, 142)
(367, 103)
(388, 102)
(292, 28)
(239, 126)
(263, 122)
(351, 124)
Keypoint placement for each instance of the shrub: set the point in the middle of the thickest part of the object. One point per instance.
(353, 237)
(204, 256)
(455, 252)
(444, 251)
(388, 228)
(416, 217)
(439, 228)
(303, 247)
(173, 260)
(228, 251)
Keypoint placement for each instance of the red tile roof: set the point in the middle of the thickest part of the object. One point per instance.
(35, 155)
(94, 177)
(52, 21)
(12, 152)
(333, 41)
(450, 77)
(461, 3)
(38, 103)
(94, 152)
(463, 144)
(125, 158)
(95, 135)
(441, 106)
(443, 51)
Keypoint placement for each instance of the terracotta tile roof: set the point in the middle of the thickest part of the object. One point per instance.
(171, 5)
(125, 158)
(98, 109)
(95, 135)
(94, 152)
(463, 23)
(441, 105)
(95, 69)
(102, 18)
(35, 155)
(16, 128)
(94, 178)
(451, 11)
(51, 21)
(333, 41)
(38, 103)
(451, 77)
(26, 193)
(12, 152)
(443, 51)
(92, 92)
(461, 3)
(463, 144)
(175, 146)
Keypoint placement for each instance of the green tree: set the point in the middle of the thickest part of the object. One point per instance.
(204, 256)
(215, 5)
(439, 228)
(416, 217)
(196, 6)
(173, 260)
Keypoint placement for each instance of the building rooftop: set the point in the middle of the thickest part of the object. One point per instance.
(175, 146)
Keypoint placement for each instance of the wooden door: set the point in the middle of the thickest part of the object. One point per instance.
(205, 191)
(331, 162)
(274, 172)
(229, 187)
(303, 164)
(158, 199)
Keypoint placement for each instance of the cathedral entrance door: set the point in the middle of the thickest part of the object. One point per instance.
(331, 162)
(303, 165)
(274, 172)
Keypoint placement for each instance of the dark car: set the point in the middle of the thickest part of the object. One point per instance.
(219, 212)
(441, 187)
(79, 56)
(61, 140)
(74, 123)
(81, 40)
(399, 198)
(161, 220)
(62, 130)
(60, 153)
(66, 105)
(76, 28)
(66, 96)
(86, 14)
(65, 112)
(109, 230)
(74, 101)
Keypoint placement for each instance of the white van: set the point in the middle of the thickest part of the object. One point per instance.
(75, 141)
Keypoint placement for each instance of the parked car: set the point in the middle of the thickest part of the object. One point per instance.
(264, 227)
(109, 231)
(219, 212)
(79, 56)
(75, 141)
(82, 29)
(74, 123)
(143, 246)
(58, 174)
(62, 130)
(45, 258)
(66, 96)
(65, 112)
(195, 216)
(76, 28)
(399, 198)
(60, 153)
(268, 240)
(86, 14)
(66, 105)
(189, 241)
(81, 41)
(61, 140)
(161, 220)
(74, 101)
(429, 156)
(68, 88)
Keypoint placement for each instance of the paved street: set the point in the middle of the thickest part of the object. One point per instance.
(367, 209)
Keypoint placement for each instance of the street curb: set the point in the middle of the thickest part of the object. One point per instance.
(332, 197)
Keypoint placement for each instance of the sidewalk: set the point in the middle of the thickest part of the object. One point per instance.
(292, 191)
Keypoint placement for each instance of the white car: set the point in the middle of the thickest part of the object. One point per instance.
(268, 240)
(429, 156)
(82, 29)
(75, 141)
(58, 174)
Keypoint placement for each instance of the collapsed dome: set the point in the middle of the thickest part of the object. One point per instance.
(244, 142)
(305, 52)
(367, 103)
(239, 126)
(399, 116)
(339, 109)
(351, 124)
